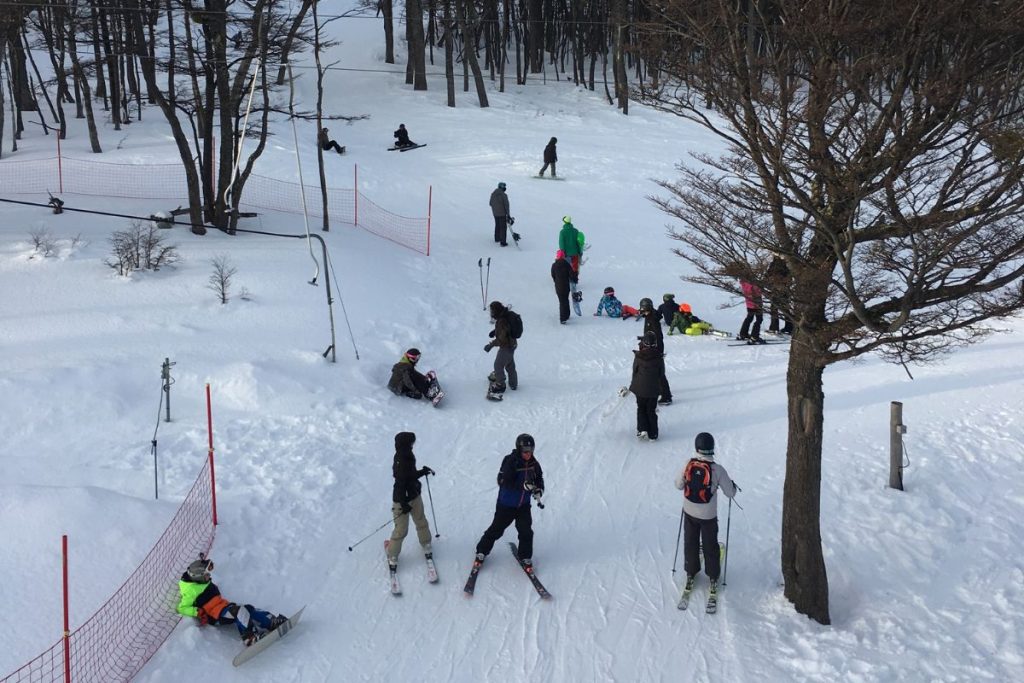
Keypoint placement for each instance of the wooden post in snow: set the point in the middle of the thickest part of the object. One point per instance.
(896, 431)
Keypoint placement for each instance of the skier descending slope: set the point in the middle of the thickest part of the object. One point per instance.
(699, 481)
(406, 502)
(520, 479)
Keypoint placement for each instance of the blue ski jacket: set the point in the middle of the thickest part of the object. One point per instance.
(514, 475)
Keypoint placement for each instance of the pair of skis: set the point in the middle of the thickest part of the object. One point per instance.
(528, 569)
(712, 605)
(396, 587)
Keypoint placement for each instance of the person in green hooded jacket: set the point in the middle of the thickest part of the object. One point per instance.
(570, 243)
(201, 599)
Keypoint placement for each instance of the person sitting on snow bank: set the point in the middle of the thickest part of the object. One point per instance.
(407, 381)
(687, 323)
(609, 304)
(201, 599)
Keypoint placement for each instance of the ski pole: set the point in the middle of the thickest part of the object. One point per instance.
(390, 521)
(487, 287)
(437, 534)
(675, 558)
(728, 523)
(483, 297)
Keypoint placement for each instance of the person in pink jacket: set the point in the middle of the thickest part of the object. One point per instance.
(755, 313)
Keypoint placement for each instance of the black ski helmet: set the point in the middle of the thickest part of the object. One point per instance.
(199, 571)
(704, 444)
(524, 442)
(413, 355)
(649, 340)
(609, 290)
(646, 304)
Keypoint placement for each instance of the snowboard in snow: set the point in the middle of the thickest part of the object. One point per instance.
(267, 640)
(544, 177)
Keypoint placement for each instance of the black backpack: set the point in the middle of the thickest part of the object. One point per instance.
(515, 324)
(697, 481)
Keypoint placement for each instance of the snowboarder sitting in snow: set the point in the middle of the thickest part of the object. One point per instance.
(668, 308)
(699, 481)
(687, 323)
(519, 479)
(327, 144)
(402, 135)
(201, 599)
(407, 381)
(609, 304)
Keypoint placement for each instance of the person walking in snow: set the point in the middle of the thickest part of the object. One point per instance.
(402, 137)
(500, 210)
(652, 323)
(561, 273)
(755, 307)
(648, 369)
(550, 158)
(327, 144)
(200, 599)
(569, 243)
(407, 381)
(609, 304)
(699, 481)
(505, 361)
(406, 499)
(520, 479)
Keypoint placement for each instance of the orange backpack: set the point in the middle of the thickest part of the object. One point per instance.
(697, 478)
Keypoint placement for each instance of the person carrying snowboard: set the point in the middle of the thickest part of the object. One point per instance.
(500, 210)
(402, 137)
(406, 499)
(609, 304)
(407, 381)
(699, 481)
(327, 144)
(569, 243)
(520, 478)
(561, 273)
(652, 323)
(648, 369)
(550, 158)
(201, 599)
(755, 307)
(503, 336)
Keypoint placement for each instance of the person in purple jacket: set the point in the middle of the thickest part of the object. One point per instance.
(520, 479)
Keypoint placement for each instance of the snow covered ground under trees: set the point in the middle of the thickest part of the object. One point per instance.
(926, 585)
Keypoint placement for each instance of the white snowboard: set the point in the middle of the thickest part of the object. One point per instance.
(266, 641)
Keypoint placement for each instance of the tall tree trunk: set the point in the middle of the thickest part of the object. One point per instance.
(82, 82)
(449, 61)
(324, 206)
(389, 30)
(416, 73)
(101, 84)
(468, 25)
(18, 70)
(293, 30)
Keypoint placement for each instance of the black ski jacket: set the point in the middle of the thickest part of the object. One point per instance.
(648, 367)
(562, 274)
(407, 485)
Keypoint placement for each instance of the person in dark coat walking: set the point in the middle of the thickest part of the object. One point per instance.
(505, 359)
(652, 323)
(562, 274)
(648, 369)
(406, 499)
(520, 479)
(402, 137)
(550, 158)
(500, 210)
(327, 144)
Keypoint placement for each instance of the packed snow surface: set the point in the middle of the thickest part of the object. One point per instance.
(926, 584)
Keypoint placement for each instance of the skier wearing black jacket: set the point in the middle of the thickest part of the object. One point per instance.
(648, 369)
(652, 323)
(519, 479)
(406, 498)
(562, 274)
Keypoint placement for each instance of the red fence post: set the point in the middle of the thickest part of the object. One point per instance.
(67, 628)
(430, 203)
(355, 191)
(209, 429)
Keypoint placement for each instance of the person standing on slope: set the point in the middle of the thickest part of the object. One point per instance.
(648, 369)
(519, 479)
(755, 307)
(569, 243)
(500, 210)
(550, 158)
(699, 481)
(561, 273)
(406, 499)
(505, 360)
(652, 323)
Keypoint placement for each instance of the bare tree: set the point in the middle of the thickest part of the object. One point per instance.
(141, 246)
(879, 149)
(221, 278)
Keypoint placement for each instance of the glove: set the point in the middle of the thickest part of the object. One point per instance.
(487, 349)
(529, 486)
(426, 471)
(204, 618)
(537, 493)
(738, 489)
(406, 508)
(491, 334)
(511, 221)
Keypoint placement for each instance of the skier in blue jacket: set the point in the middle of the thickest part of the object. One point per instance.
(519, 479)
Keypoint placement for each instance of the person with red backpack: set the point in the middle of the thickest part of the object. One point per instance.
(699, 481)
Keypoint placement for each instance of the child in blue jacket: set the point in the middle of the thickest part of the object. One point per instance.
(609, 304)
